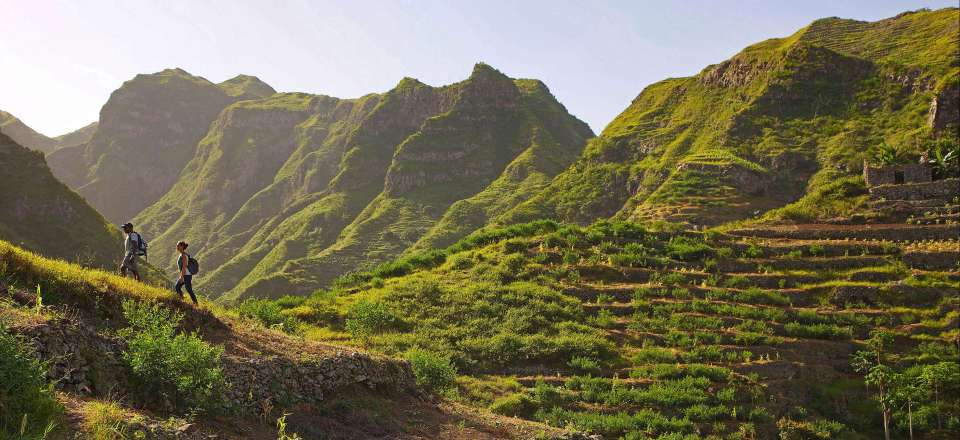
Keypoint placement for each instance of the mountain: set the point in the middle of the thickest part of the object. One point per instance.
(288, 192)
(246, 87)
(784, 120)
(147, 132)
(76, 137)
(46, 216)
(24, 135)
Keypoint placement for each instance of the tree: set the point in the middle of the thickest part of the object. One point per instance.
(871, 362)
(905, 391)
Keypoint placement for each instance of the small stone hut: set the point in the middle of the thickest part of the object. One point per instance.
(896, 174)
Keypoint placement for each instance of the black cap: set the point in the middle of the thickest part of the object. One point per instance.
(126, 225)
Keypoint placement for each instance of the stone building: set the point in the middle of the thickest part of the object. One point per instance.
(896, 174)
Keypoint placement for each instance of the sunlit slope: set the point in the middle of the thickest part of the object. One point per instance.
(780, 120)
(290, 191)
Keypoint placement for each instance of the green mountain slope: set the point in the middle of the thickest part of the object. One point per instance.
(148, 130)
(631, 331)
(290, 191)
(780, 120)
(24, 135)
(44, 215)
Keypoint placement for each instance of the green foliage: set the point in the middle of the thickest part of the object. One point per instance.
(433, 371)
(176, 366)
(367, 318)
(28, 406)
(268, 313)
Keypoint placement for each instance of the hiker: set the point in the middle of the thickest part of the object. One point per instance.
(132, 248)
(184, 263)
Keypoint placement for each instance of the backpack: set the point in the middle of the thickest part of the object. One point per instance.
(141, 245)
(193, 266)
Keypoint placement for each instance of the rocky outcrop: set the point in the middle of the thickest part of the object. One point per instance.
(148, 131)
(945, 107)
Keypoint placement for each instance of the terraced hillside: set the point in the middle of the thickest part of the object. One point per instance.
(787, 121)
(288, 192)
(130, 361)
(44, 215)
(652, 331)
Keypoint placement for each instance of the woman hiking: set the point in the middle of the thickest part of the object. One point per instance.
(186, 278)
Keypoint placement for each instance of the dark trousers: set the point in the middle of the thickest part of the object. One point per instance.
(188, 283)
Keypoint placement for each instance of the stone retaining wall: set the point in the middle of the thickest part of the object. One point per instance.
(945, 189)
(943, 260)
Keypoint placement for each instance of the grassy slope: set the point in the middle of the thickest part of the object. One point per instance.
(42, 214)
(93, 298)
(743, 135)
(280, 186)
(620, 330)
(458, 156)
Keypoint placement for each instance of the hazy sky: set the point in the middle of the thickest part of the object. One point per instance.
(59, 60)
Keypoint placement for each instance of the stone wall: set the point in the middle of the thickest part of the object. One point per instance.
(945, 189)
(87, 361)
(912, 173)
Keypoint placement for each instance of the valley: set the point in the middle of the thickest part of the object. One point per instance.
(767, 249)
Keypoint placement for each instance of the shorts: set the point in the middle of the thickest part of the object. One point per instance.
(129, 262)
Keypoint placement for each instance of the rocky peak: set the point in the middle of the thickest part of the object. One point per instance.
(487, 88)
(246, 87)
(154, 119)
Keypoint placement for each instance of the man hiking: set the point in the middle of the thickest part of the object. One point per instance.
(131, 247)
(186, 272)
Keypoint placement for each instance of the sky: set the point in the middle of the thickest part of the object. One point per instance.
(60, 60)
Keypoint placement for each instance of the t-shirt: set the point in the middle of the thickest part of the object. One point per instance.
(182, 263)
(131, 244)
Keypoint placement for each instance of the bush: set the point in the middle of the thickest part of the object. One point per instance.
(25, 394)
(687, 249)
(433, 371)
(367, 318)
(584, 365)
(268, 313)
(514, 405)
(181, 367)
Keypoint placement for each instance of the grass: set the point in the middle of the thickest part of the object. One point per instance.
(30, 408)
(104, 420)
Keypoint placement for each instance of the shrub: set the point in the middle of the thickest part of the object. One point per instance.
(818, 331)
(25, 395)
(584, 365)
(753, 251)
(181, 367)
(514, 405)
(461, 262)
(367, 318)
(514, 246)
(687, 249)
(268, 313)
(433, 371)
